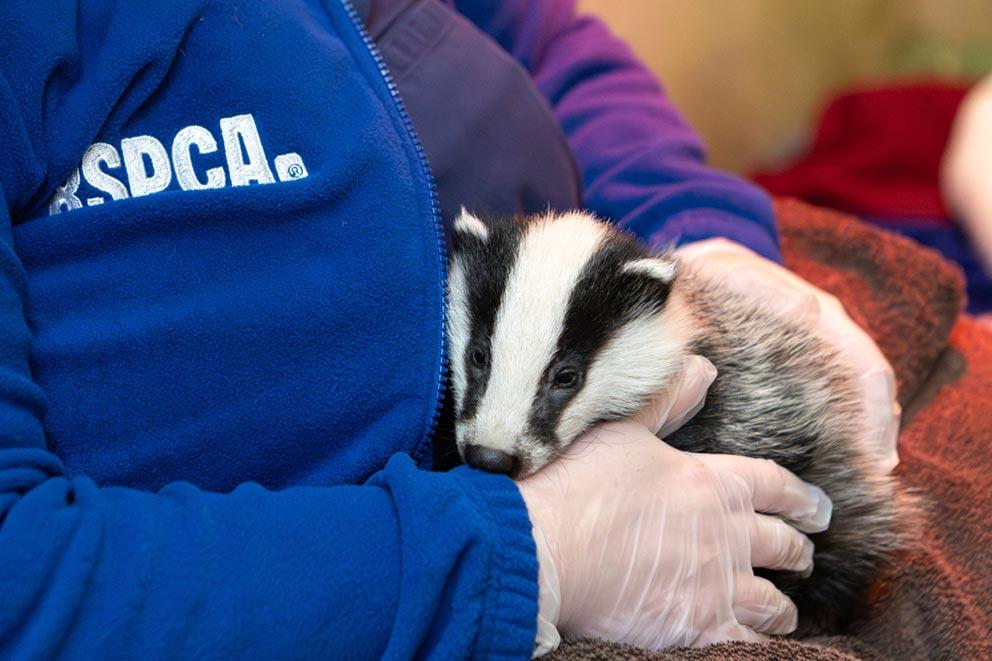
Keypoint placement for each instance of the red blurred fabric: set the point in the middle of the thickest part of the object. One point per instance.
(876, 152)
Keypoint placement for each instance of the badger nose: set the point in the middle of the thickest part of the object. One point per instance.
(489, 459)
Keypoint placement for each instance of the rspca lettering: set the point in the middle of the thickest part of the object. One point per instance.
(143, 166)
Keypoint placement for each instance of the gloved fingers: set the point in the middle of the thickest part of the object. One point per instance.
(847, 337)
(777, 545)
(883, 415)
(729, 631)
(718, 244)
(876, 384)
(762, 607)
(775, 490)
(802, 308)
(741, 270)
(777, 292)
(672, 409)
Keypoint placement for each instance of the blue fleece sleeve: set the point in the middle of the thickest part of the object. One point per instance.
(411, 563)
(642, 165)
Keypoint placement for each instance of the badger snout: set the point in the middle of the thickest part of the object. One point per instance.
(492, 460)
(497, 448)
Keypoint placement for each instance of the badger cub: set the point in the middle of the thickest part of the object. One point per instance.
(559, 322)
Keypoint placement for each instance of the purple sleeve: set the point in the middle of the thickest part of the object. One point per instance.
(641, 163)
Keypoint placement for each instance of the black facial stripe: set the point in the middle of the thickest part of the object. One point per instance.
(605, 298)
(487, 264)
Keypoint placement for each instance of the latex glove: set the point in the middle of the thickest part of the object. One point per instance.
(681, 401)
(966, 169)
(641, 543)
(782, 291)
(665, 414)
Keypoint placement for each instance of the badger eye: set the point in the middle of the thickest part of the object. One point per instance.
(479, 357)
(566, 378)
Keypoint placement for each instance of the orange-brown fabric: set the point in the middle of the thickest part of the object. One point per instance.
(936, 601)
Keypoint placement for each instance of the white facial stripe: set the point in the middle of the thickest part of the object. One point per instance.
(459, 329)
(550, 259)
(469, 224)
(635, 364)
(655, 267)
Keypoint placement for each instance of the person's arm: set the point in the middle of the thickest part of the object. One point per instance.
(410, 563)
(642, 165)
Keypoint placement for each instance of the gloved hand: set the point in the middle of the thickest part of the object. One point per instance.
(966, 169)
(644, 544)
(780, 290)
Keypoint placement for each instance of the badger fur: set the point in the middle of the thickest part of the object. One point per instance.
(559, 322)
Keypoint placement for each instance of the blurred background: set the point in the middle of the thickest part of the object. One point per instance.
(753, 75)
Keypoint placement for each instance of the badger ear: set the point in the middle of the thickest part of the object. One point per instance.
(468, 226)
(649, 280)
(662, 268)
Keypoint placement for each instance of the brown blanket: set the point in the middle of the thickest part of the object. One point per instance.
(936, 602)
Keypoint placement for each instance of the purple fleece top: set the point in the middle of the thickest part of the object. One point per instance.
(641, 164)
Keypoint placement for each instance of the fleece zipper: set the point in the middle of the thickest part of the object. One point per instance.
(421, 452)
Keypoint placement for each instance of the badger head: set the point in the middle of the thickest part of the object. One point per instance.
(555, 323)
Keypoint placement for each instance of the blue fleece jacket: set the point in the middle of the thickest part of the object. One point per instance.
(221, 344)
(241, 286)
